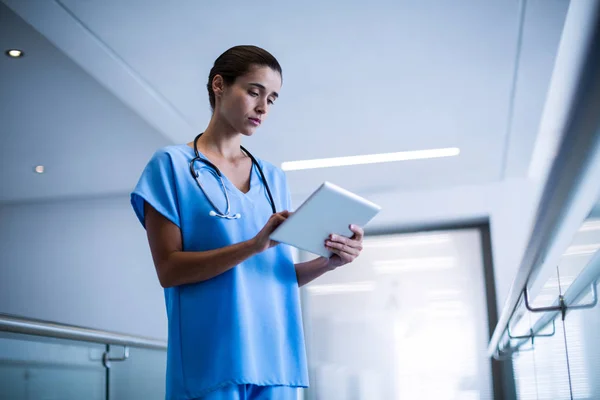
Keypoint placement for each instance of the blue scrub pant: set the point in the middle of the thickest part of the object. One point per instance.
(253, 392)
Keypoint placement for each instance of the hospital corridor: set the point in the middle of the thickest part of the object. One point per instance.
(418, 218)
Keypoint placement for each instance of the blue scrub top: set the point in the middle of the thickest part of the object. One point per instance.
(245, 325)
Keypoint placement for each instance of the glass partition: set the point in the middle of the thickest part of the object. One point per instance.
(33, 367)
(140, 376)
(407, 320)
(37, 367)
(567, 364)
(582, 326)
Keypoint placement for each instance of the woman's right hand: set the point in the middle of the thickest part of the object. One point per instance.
(261, 240)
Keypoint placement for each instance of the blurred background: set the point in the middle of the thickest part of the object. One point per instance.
(478, 278)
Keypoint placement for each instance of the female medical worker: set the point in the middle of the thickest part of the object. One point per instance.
(208, 207)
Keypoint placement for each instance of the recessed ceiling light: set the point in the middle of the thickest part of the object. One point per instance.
(14, 53)
(369, 159)
(39, 169)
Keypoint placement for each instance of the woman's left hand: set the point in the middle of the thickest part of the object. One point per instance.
(345, 249)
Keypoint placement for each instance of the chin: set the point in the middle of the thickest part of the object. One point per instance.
(248, 130)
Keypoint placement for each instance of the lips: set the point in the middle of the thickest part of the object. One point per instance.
(255, 121)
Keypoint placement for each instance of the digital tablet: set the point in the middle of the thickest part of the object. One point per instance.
(330, 209)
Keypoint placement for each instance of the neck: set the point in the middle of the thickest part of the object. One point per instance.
(220, 139)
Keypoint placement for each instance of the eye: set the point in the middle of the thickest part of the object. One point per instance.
(270, 102)
(253, 94)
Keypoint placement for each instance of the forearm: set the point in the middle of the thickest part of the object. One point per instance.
(311, 270)
(183, 267)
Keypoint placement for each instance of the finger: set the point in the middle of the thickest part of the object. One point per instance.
(280, 215)
(274, 222)
(279, 220)
(339, 239)
(342, 248)
(344, 256)
(359, 233)
(356, 244)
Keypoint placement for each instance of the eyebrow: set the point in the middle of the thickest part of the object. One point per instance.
(258, 85)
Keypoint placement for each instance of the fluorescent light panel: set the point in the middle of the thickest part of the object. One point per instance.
(351, 287)
(442, 294)
(408, 241)
(582, 249)
(591, 225)
(369, 159)
(414, 264)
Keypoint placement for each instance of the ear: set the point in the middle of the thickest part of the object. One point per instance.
(218, 85)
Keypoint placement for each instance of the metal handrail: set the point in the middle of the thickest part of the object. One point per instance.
(14, 324)
(585, 283)
(579, 148)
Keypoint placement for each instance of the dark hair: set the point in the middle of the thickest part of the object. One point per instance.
(238, 61)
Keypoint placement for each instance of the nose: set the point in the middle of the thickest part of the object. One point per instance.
(261, 107)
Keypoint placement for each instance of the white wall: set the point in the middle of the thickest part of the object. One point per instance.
(81, 262)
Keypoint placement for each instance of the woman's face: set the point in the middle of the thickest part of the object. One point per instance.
(246, 104)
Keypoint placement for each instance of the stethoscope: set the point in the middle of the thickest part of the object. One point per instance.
(227, 213)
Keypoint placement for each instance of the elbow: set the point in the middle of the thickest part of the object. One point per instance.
(164, 281)
(165, 278)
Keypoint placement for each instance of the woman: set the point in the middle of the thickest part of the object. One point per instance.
(235, 327)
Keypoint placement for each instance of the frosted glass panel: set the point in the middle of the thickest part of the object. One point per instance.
(39, 368)
(141, 376)
(525, 377)
(582, 327)
(541, 371)
(542, 374)
(555, 371)
(585, 244)
(407, 320)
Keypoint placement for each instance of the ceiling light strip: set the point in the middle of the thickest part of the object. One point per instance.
(370, 159)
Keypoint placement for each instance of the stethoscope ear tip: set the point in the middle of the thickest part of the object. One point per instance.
(237, 216)
(212, 213)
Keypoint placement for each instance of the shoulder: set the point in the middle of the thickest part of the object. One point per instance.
(159, 182)
(174, 153)
(166, 166)
(171, 158)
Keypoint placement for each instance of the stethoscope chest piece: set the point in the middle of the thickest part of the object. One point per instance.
(213, 213)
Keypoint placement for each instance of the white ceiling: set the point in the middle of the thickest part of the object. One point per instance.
(105, 83)
(55, 114)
